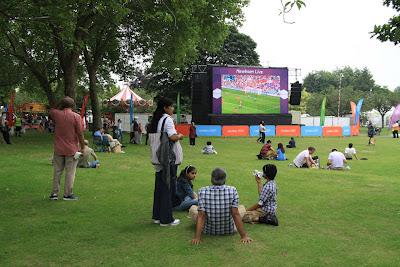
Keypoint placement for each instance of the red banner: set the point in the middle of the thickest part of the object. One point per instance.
(235, 130)
(287, 130)
(83, 110)
(355, 130)
(183, 129)
(332, 131)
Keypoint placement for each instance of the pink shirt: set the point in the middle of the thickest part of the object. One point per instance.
(68, 128)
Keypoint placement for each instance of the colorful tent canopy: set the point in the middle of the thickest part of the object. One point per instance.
(125, 94)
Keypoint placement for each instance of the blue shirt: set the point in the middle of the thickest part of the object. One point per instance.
(184, 188)
(97, 133)
(281, 155)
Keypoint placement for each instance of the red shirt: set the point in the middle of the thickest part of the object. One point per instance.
(68, 128)
(192, 131)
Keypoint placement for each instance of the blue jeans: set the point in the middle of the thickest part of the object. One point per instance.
(186, 204)
(93, 163)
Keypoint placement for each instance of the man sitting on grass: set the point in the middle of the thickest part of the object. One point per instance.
(304, 159)
(336, 160)
(84, 159)
(349, 152)
(218, 212)
(264, 211)
(267, 152)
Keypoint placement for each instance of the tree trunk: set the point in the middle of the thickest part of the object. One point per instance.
(70, 68)
(383, 120)
(94, 99)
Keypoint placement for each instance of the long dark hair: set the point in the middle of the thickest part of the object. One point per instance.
(158, 113)
(185, 171)
(280, 146)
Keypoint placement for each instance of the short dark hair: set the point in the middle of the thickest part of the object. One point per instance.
(334, 150)
(66, 102)
(208, 143)
(311, 148)
(218, 176)
(269, 171)
(268, 141)
(350, 145)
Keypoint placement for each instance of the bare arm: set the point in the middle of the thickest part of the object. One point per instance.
(239, 225)
(254, 207)
(81, 140)
(176, 137)
(201, 220)
(355, 155)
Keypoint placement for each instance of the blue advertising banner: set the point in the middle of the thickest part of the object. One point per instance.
(254, 130)
(270, 130)
(311, 131)
(346, 131)
(209, 130)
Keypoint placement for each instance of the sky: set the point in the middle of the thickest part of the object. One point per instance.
(326, 35)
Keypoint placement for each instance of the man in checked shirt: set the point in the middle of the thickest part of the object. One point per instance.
(264, 211)
(218, 212)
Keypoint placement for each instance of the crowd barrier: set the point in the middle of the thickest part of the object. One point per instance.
(271, 130)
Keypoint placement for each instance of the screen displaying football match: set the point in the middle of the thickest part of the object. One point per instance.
(250, 90)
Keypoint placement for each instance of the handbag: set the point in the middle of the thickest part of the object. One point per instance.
(155, 142)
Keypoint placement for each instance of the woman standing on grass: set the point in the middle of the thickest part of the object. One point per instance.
(165, 185)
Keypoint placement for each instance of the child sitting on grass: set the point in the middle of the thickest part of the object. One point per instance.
(264, 211)
(184, 189)
(209, 149)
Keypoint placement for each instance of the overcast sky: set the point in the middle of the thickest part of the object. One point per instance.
(326, 35)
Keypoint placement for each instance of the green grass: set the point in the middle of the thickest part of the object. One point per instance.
(327, 218)
(251, 103)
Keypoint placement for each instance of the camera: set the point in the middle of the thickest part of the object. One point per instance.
(257, 173)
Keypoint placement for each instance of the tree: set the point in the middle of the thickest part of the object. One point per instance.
(360, 80)
(389, 31)
(382, 100)
(237, 49)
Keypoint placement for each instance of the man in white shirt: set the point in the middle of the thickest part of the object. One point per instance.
(349, 152)
(304, 159)
(336, 160)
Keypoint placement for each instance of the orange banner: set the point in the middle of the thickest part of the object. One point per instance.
(355, 130)
(235, 130)
(287, 130)
(332, 131)
(183, 129)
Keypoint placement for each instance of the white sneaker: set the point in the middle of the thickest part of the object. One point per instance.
(156, 221)
(175, 222)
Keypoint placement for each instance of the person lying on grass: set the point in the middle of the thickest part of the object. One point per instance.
(218, 210)
(264, 211)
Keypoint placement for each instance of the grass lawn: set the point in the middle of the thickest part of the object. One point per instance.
(327, 218)
(251, 103)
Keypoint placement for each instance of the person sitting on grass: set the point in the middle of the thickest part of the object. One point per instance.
(349, 152)
(292, 143)
(280, 152)
(267, 152)
(336, 160)
(209, 149)
(305, 160)
(218, 210)
(184, 189)
(264, 211)
(84, 161)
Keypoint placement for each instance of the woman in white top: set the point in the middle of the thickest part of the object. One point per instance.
(164, 195)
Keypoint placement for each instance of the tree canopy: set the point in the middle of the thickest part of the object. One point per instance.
(389, 31)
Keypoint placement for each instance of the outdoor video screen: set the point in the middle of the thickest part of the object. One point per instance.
(250, 90)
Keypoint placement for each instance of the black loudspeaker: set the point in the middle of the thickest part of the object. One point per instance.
(295, 93)
(201, 98)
